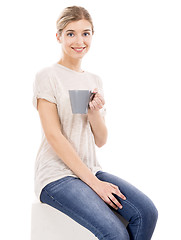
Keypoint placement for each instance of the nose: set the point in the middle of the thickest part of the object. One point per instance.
(79, 40)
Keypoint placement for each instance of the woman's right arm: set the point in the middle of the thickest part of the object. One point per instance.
(52, 128)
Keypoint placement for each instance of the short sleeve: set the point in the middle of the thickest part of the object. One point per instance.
(101, 90)
(43, 87)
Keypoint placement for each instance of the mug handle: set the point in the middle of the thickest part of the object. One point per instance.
(92, 95)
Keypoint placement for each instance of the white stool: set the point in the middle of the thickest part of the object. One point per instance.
(48, 223)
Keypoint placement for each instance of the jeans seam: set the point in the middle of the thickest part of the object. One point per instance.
(140, 217)
(73, 213)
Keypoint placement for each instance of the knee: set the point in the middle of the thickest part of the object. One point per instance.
(150, 213)
(154, 214)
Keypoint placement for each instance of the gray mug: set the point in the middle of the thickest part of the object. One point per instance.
(80, 100)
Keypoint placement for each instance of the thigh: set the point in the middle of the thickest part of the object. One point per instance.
(136, 203)
(77, 200)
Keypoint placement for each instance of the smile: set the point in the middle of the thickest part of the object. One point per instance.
(78, 49)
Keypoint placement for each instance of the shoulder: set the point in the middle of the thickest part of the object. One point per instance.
(44, 72)
(97, 78)
(44, 76)
(93, 74)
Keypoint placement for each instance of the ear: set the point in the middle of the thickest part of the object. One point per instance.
(58, 38)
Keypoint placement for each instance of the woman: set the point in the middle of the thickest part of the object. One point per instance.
(68, 176)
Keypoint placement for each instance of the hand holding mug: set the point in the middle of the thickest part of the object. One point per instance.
(97, 101)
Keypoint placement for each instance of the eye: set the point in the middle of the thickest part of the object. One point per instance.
(70, 34)
(86, 33)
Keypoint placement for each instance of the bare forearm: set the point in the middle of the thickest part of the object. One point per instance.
(98, 126)
(68, 155)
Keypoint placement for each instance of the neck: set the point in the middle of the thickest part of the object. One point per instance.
(74, 64)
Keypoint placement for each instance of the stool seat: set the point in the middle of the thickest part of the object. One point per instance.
(48, 223)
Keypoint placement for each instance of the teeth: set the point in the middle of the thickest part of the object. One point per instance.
(79, 48)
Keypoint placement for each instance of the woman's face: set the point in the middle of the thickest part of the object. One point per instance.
(76, 38)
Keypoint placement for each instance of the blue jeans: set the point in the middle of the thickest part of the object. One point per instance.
(76, 199)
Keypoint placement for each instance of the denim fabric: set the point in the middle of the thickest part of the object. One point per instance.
(76, 199)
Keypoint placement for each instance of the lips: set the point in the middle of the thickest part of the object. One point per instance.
(78, 49)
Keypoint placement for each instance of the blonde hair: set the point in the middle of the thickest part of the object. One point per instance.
(70, 14)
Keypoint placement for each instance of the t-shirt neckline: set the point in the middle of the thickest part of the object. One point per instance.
(68, 69)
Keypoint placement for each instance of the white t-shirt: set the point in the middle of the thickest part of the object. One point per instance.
(52, 83)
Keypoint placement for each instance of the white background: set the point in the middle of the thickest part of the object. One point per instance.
(136, 51)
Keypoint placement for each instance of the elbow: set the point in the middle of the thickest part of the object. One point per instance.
(100, 143)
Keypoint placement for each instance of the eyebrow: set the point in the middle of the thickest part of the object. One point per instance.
(74, 30)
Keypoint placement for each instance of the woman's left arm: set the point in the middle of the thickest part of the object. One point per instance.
(97, 122)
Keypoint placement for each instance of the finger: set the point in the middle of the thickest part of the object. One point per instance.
(115, 201)
(117, 192)
(114, 186)
(91, 97)
(101, 99)
(111, 204)
(94, 103)
(91, 106)
(98, 102)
